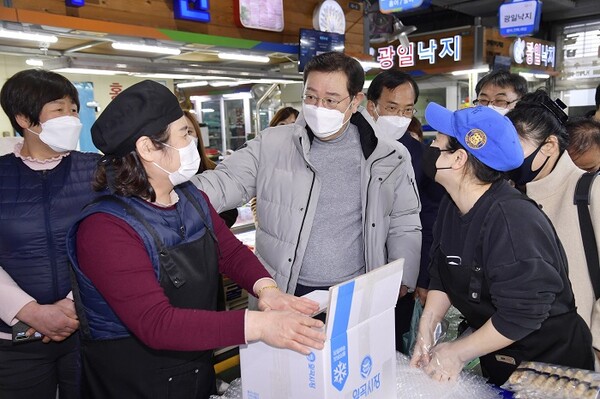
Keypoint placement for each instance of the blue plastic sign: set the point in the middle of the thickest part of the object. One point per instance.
(75, 3)
(192, 10)
(520, 17)
(390, 6)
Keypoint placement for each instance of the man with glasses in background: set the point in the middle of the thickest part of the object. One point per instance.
(391, 103)
(500, 90)
(333, 201)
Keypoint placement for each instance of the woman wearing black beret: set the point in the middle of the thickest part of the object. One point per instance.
(147, 259)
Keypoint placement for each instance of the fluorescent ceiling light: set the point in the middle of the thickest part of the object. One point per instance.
(237, 96)
(146, 48)
(529, 75)
(207, 110)
(228, 83)
(192, 84)
(34, 62)
(87, 71)
(34, 37)
(167, 76)
(244, 57)
(469, 71)
(369, 64)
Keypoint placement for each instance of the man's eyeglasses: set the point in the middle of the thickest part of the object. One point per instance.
(495, 103)
(329, 103)
(393, 110)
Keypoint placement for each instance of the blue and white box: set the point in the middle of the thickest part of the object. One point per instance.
(359, 358)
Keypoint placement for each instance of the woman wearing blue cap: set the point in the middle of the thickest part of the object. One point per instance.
(495, 257)
(147, 259)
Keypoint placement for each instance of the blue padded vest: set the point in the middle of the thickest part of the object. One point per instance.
(174, 227)
(36, 210)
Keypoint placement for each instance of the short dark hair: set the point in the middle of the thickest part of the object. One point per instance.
(335, 61)
(535, 122)
(598, 97)
(481, 171)
(584, 134)
(26, 92)
(127, 174)
(390, 79)
(502, 78)
(283, 114)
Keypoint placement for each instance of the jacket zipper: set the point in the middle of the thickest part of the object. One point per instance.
(365, 227)
(50, 237)
(312, 184)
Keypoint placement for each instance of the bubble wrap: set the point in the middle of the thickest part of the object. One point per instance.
(414, 383)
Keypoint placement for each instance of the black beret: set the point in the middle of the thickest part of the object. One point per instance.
(144, 109)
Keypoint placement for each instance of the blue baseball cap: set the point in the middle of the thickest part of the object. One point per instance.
(487, 135)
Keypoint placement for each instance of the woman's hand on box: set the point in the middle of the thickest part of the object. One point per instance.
(285, 329)
(274, 299)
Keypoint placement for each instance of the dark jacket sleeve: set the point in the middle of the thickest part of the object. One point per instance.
(524, 266)
(430, 194)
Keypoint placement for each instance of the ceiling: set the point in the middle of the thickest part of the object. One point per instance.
(445, 14)
(85, 49)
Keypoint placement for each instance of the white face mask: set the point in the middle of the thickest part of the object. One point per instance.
(61, 134)
(391, 127)
(501, 111)
(189, 159)
(195, 140)
(322, 121)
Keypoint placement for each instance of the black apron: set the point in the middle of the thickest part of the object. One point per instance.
(127, 368)
(562, 339)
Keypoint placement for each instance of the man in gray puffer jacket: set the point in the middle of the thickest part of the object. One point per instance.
(333, 201)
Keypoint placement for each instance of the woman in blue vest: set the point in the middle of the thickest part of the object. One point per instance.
(44, 184)
(147, 260)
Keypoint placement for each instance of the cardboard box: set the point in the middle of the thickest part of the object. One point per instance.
(359, 358)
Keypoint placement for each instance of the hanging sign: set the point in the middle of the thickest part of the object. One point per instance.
(532, 53)
(260, 14)
(191, 10)
(520, 17)
(390, 6)
(448, 47)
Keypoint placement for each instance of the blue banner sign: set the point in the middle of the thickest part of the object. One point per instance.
(75, 3)
(389, 6)
(191, 10)
(520, 17)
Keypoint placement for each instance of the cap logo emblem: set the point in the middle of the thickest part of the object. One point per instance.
(475, 139)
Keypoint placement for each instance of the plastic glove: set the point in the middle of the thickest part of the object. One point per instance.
(431, 331)
(445, 363)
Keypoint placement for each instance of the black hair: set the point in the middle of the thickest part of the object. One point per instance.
(502, 78)
(390, 79)
(127, 174)
(335, 61)
(584, 134)
(481, 171)
(598, 97)
(26, 93)
(536, 117)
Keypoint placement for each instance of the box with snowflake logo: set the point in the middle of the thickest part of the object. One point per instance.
(359, 358)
